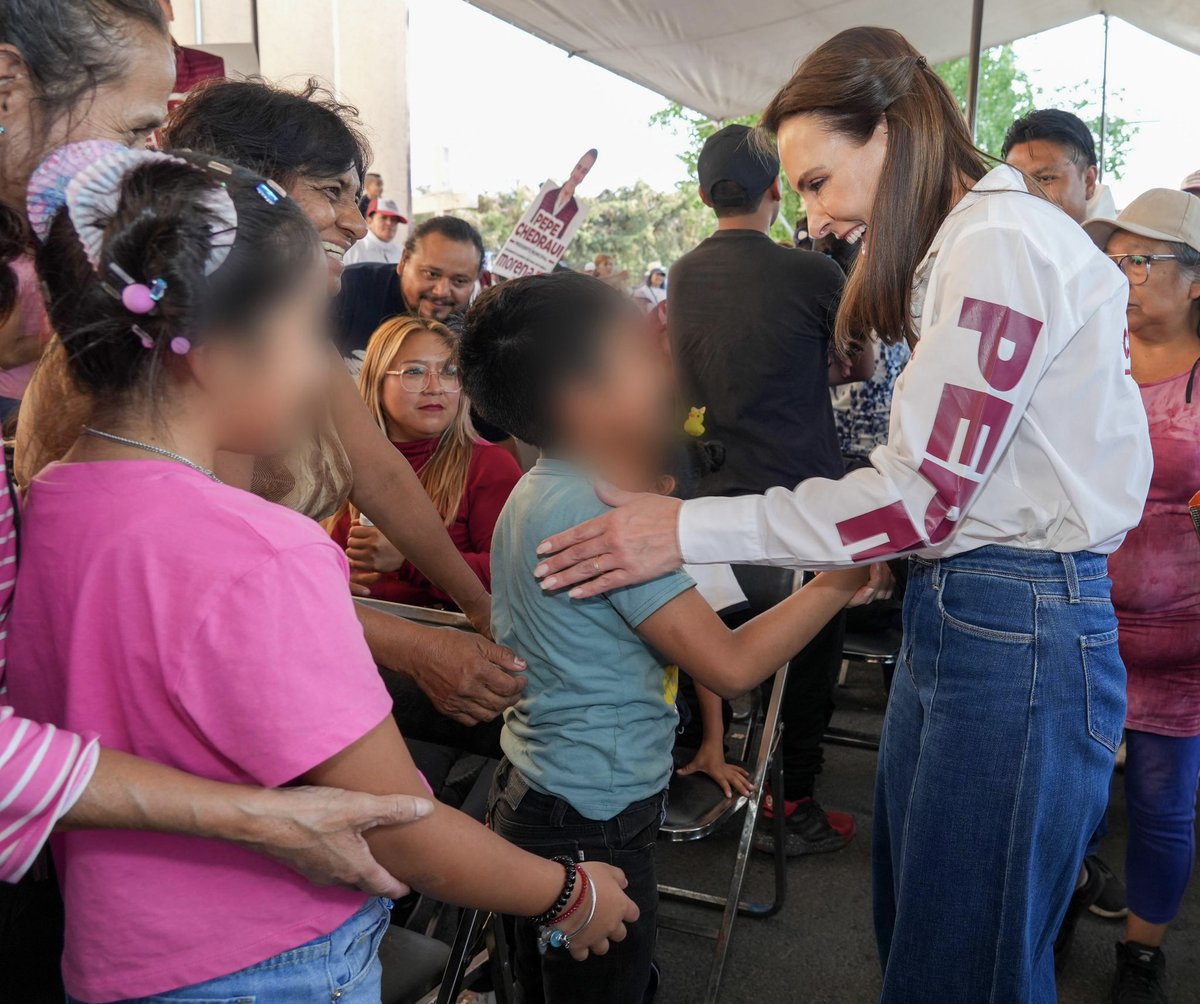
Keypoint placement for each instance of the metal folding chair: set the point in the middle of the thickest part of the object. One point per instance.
(764, 588)
(876, 648)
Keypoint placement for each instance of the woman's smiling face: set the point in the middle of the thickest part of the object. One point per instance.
(834, 174)
(331, 203)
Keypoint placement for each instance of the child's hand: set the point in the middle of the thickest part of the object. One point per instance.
(361, 582)
(880, 585)
(710, 760)
(370, 551)
(613, 911)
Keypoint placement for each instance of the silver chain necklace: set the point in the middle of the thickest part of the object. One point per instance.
(139, 445)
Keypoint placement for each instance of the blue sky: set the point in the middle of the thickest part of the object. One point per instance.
(493, 107)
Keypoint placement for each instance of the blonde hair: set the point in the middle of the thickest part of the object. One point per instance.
(445, 475)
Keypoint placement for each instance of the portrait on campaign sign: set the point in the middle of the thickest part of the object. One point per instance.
(540, 239)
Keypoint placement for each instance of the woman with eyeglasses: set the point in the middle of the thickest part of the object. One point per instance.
(1156, 577)
(410, 382)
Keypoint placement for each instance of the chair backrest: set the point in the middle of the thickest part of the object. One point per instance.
(765, 586)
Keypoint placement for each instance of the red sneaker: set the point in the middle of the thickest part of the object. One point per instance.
(842, 823)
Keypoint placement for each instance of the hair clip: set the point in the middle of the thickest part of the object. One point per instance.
(138, 298)
(142, 336)
(269, 195)
(219, 167)
(180, 345)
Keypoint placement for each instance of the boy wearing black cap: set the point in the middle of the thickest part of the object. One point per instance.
(750, 325)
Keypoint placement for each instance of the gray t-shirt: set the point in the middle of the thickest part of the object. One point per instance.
(596, 722)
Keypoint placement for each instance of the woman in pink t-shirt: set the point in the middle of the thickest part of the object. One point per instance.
(1156, 576)
(195, 624)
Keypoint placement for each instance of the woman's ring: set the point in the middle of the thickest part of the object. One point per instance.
(596, 565)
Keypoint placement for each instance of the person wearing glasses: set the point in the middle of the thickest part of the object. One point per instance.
(1156, 588)
(411, 385)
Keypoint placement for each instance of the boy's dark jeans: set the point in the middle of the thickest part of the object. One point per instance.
(548, 827)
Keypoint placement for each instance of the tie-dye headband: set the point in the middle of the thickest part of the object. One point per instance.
(85, 178)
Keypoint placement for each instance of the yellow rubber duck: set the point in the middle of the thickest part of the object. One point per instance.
(694, 426)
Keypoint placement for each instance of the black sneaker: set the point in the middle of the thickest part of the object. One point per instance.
(1110, 904)
(1081, 899)
(808, 832)
(1141, 976)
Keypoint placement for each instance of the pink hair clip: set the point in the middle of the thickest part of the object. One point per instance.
(180, 345)
(142, 336)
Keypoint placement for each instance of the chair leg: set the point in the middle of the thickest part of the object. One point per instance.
(503, 983)
(469, 926)
(843, 673)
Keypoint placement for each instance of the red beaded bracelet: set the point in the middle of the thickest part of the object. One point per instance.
(583, 888)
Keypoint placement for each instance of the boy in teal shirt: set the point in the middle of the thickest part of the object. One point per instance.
(564, 363)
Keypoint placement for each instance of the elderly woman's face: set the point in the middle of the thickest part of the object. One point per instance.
(1167, 297)
(127, 109)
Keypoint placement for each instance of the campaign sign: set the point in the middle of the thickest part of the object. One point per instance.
(540, 239)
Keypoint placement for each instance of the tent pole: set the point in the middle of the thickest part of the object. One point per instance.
(975, 56)
(1103, 101)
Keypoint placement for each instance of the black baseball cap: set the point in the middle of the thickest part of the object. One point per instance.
(732, 154)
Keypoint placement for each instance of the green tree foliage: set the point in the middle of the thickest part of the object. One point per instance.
(1005, 94)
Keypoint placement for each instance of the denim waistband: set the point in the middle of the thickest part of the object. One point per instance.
(1024, 563)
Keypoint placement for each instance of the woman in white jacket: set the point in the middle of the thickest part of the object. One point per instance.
(1018, 457)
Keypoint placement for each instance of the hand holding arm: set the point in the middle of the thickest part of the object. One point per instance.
(466, 676)
(316, 831)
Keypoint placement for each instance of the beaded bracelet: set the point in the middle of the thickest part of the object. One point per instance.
(558, 938)
(564, 897)
(583, 888)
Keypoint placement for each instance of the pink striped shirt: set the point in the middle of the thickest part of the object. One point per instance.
(43, 769)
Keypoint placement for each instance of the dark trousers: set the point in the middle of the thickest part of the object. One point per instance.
(549, 827)
(31, 939)
(807, 708)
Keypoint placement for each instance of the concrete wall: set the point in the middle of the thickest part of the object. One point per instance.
(359, 47)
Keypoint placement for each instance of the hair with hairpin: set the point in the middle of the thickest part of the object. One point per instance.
(145, 254)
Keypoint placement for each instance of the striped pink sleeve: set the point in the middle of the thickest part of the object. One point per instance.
(43, 770)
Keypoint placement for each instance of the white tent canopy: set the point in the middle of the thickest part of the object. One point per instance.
(728, 57)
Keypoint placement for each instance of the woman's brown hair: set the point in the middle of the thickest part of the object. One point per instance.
(445, 475)
(849, 82)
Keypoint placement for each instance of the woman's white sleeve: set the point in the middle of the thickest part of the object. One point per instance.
(984, 345)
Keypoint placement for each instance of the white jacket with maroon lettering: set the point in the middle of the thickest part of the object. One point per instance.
(1017, 421)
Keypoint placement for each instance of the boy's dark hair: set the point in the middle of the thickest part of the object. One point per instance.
(450, 227)
(525, 339)
(275, 132)
(693, 461)
(1054, 126)
(161, 230)
(731, 199)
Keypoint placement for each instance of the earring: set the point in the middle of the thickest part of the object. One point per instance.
(2, 130)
